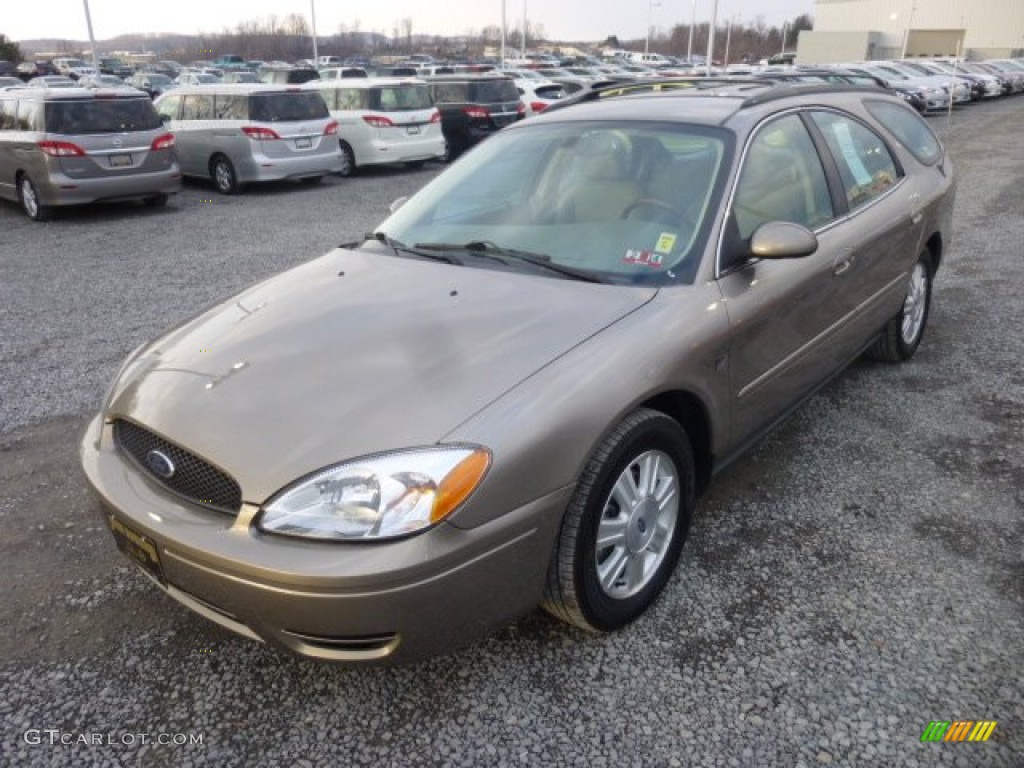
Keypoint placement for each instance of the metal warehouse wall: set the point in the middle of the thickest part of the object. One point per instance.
(990, 25)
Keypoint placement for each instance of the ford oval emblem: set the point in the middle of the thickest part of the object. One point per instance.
(160, 464)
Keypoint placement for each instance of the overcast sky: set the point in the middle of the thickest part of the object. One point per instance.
(562, 19)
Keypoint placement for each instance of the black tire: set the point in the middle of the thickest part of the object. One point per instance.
(348, 160)
(311, 180)
(448, 155)
(574, 592)
(28, 197)
(156, 201)
(224, 176)
(902, 335)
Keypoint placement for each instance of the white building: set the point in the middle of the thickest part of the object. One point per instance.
(848, 30)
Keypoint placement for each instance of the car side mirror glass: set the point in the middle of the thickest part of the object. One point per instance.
(398, 203)
(782, 240)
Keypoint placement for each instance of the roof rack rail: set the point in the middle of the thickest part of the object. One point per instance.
(766, 88)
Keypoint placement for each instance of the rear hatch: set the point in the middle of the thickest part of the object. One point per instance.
(401, 111)
(498, 100)
(105, 136)
(290, 123)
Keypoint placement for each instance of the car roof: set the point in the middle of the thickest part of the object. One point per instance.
(238, 88)
(363, 82)
(81, 94)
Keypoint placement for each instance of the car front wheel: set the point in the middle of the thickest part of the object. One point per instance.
(625, 526)
(902, 334)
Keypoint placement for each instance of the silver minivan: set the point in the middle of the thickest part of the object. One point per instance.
(239, 133)
(68, 146)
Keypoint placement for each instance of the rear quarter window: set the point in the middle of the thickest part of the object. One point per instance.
(8, 113)
(909, 130)
(401, 98)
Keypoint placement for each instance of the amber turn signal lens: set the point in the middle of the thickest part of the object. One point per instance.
(459, 483)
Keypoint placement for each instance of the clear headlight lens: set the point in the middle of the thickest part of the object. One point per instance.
(378, 497)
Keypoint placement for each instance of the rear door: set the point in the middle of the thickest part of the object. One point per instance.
(783, 313)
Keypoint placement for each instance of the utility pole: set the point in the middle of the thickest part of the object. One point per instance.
(728, 41)
(522, 52)
(503, 26)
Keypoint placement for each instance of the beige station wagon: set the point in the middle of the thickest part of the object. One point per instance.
(514, 391)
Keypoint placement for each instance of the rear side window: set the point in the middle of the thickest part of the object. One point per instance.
(232, 107)
(865, 165)
(286, 107)
(8, 112)
(101, 116)
(908, 128)
(400, 98)
(197, 106)
(492, 91)
(344, 99)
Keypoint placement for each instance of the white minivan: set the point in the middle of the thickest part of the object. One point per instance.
(383, 120)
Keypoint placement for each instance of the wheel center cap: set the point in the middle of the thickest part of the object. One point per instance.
(643, 522)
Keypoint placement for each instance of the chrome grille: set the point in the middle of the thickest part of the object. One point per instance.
(193, 478)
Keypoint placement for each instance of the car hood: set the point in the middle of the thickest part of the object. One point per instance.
(351, 354)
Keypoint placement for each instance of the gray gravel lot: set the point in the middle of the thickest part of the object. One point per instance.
(854, 577)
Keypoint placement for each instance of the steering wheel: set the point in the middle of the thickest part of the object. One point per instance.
(650, 202)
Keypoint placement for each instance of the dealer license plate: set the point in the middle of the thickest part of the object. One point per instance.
(138, 547)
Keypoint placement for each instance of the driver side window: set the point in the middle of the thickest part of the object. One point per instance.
(782, 180)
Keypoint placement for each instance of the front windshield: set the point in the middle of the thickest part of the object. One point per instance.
(626, 202)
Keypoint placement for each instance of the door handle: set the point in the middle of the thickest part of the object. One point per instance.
(842, 264)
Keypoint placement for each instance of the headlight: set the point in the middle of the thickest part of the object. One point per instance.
(378, 497)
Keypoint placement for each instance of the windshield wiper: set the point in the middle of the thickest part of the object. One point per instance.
(400, 248)
(501, 254)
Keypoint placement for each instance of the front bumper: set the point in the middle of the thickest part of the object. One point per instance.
(354, 602)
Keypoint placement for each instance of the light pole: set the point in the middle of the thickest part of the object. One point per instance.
(312, 14)
(910, 23)
(693, 23)
(728, 41)
(785, 31)
(522, 53)
(650, 21)
(92, 39)
(711, 36)
(503, 34)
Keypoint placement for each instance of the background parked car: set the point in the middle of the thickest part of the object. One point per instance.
(68, 146)
(288, 75)
(474, 107)
(383, 120)
(153, 83)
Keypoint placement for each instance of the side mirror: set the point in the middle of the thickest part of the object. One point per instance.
(782, 240)
(398, 204)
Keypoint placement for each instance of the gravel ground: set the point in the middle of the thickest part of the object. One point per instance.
(854, 577)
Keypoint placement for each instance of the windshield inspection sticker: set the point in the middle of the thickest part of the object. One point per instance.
(643, 257)
(666, 242)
